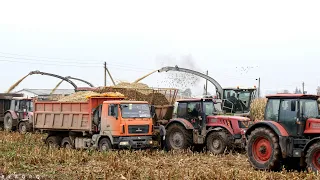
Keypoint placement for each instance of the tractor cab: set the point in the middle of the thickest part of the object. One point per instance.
(191, 110)
(293, 112)
(238, 100)
(21, 106)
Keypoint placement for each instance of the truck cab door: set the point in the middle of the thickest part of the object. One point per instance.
(110, 121)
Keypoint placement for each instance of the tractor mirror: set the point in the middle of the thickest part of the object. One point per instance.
(293, 105)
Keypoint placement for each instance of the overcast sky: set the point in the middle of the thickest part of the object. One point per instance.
(279, 39)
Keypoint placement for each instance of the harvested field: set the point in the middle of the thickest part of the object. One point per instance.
(26, 154)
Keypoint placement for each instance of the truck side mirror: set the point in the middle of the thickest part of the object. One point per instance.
(152, 110)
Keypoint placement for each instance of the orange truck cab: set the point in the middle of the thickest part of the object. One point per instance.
(102, 122)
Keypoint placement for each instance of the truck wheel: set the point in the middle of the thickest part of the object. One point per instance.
(178, 137)
(105, 145)
(23, 128)
(313, 157)
(53, 141)
(8, 122)
(67, 143)
(263, 150)
(217, 142)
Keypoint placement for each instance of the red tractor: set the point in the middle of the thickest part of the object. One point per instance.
(19, 115)
(197, 124)
(288, 136)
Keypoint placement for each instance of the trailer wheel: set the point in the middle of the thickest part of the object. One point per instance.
(313, 157)
(8, 122)
(23, 128)
(217, 142)
(53, 141)
(67, 143)
(263, 149)
(105, 145)
(178, 137)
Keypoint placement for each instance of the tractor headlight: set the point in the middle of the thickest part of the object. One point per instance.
(150, 142)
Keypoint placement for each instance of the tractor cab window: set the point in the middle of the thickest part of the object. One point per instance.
(309, 108)
(288, 110)
(194, 109)
(244, 98)
(182, 110)
(272, 109)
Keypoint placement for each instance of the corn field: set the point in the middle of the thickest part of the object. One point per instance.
(26, 155)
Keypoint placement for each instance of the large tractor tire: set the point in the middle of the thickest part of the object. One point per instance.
(8, 122)
(263, 150)
(313, 157)
(217, 142)
(178, 137)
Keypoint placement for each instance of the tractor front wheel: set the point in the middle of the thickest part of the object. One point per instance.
(313, 157)
(178, 137)
(217, 142)
(23, 127)
(263, 149)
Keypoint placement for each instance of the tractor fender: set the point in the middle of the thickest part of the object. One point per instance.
(181, 121)
(276, 127)
(13, 114)
(312, 141)
(220, 127)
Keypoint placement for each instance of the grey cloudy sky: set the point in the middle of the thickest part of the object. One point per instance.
(280, 39)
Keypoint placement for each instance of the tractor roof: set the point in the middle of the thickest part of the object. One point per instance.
(294, 96)
(196, 99)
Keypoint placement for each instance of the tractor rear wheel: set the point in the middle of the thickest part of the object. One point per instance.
(313, 157)
(217, 142)
(178, 137)
(263, 149)
(8, 122)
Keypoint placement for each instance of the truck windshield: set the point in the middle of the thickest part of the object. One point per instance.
(135, 111)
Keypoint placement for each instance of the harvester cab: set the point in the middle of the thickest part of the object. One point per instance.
(290, 131)
(235, 100)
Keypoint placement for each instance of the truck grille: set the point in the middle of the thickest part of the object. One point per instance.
(138, 129)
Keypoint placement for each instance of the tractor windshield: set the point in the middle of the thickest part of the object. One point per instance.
(135, 111)
(309, 108)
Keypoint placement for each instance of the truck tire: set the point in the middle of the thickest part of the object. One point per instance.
(53, 141)
(178, 137)
(23, 127)
(217, 142)
(105, 145)
(67, 143)
(8, 122)
(313, 157)
(263, 149)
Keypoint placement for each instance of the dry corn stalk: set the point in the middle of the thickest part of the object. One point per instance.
(257, 109)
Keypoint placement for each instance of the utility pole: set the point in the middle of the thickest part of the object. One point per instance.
(258, 86)
(105, 73)
(207, 84)
(302, 87)
(110, 76)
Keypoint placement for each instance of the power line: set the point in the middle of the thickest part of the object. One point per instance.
(67, 59)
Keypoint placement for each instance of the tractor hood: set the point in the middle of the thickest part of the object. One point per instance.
(312, 126)
(231, 118)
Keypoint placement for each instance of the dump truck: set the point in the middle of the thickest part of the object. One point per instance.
(102, 123)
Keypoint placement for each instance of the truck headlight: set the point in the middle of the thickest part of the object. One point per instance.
(150, 142)
(125, 143)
